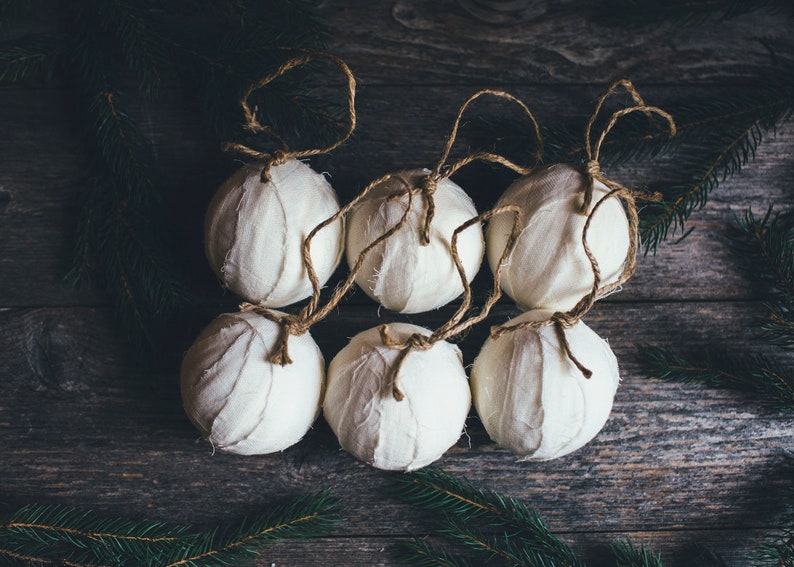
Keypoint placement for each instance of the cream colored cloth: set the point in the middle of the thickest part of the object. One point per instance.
(532, 399)
(548, 268)
(400, 273)
(238, 399)
(376, 428)
(254, 232)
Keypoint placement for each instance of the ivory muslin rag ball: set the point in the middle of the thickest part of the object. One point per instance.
(254, 232)
(530, 396)
(372, 425)
(401, 274)
(239, 400)
(548, 268)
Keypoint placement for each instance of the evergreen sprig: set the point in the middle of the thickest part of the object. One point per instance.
(627, 555)
(754, 374)
(58, 535)
(470, 514)
(766, 245)
(109, 50)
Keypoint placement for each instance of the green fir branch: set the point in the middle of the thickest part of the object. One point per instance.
(766, 247)
(30, 58)
(754, 375)
(421, 553)
(626, 554)
(307, 517)
(466, 507)
(58, 535)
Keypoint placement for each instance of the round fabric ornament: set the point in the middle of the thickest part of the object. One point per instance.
(549, 268)
(372, 424)
(239, 400)
(258, 221)
(255, 229)
(403, 274)
(415, 271)
(577, 243)
(531, 397)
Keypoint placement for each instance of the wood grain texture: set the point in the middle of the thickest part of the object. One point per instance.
(84, 423)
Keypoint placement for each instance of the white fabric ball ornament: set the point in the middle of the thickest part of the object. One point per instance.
(372, 425)
(254, 232)
(548, 268)
(401, 274)
(530, 396)
(239, 400)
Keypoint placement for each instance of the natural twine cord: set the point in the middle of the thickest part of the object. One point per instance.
(443, 171)
(456, 324)
(280, 156)
(312, 312)
(592, 170)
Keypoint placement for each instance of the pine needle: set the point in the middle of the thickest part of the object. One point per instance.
(627, 555)
(31, 58)
(467, 511)
(58, 535)
(755, 375)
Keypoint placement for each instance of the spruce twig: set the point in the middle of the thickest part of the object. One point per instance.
(220, 47)
(467, 509)
(766, 246)
(755, 375)
(58, 535)
(627, 555)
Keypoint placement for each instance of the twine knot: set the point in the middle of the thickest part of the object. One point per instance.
(428, 187)
(287, 325)
(415, 342)
(278, 157)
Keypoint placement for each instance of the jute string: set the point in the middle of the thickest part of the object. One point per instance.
(281, 155)
(456, 324)
(443, 171)
(313, 312)
(592, 171)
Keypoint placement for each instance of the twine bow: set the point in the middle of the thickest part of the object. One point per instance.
(442, 171)
(592, 171)
(281, 155)
(456, 324)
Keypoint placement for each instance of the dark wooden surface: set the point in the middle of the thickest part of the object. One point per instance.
(84, 423)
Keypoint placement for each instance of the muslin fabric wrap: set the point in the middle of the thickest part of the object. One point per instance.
(532, 399)
(376, 428)
(239, 400)
(401, 274)
(548, 268)
(254, 232)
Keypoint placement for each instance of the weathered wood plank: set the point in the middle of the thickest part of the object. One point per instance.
(560, 43)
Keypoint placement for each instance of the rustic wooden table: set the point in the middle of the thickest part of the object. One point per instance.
(83, 423)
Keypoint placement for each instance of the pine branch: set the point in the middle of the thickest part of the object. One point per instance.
(139, 47)
(420, 553)
(766, 246)
(308, 517)
(464, 504)
(754, 375)
(35, 57)
(57, 535)
(626, 555)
